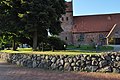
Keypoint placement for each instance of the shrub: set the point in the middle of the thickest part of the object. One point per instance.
(56, 43)
(44, 46)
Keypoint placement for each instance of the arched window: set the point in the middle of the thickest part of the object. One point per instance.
(66, 38)
(66, 18)
(62, 18)
(82, 36)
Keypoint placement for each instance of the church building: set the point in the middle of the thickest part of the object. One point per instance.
(103, 29)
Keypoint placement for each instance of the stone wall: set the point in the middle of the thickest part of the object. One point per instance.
(108, 62)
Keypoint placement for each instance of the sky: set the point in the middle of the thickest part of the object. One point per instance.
(94, 7)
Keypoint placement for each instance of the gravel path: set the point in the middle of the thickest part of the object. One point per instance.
(12, 72)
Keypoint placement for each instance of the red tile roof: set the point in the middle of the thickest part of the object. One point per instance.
(95, 23)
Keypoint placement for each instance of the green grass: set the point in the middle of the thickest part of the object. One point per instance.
(90, 48)
(104, 48)
(24, 49)
(61, 52)
(21, 50)
(72, 50)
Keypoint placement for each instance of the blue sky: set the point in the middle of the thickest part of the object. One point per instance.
(93, 7)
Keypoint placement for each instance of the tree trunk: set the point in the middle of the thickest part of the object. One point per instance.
(35, 40)
(14, 46)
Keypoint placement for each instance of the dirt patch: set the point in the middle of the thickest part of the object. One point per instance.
(12, 72)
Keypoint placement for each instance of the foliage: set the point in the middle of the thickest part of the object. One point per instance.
(42, 15)
(10, 21)
(32, 17)
(52, 43)
(5, 41)
(56, 43)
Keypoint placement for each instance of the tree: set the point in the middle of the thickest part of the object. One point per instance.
(5, 40)
(32, 16)
(10, 18)
(42, 15)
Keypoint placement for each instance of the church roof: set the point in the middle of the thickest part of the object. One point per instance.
(95, 23)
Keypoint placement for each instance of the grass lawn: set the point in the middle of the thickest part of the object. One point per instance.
(71, 50)
(90, 48)
(61, 52)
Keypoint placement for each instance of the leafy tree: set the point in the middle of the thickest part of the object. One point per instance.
(32, 16)
(10, 20)
(5, 40)
(42, 15)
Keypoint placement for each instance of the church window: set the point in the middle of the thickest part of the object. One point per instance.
(75, 26)
(82, 36)
(65, 38)
(66, 18)
(62, 18)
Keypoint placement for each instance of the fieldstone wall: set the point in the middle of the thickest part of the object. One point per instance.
(108, 62)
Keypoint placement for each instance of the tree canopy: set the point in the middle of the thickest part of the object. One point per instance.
(31, 18)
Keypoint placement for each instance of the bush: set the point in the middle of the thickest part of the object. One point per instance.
(44, 46)
(56, 43)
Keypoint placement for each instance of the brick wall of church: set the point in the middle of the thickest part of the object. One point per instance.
(97, 38)
(67, 37)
